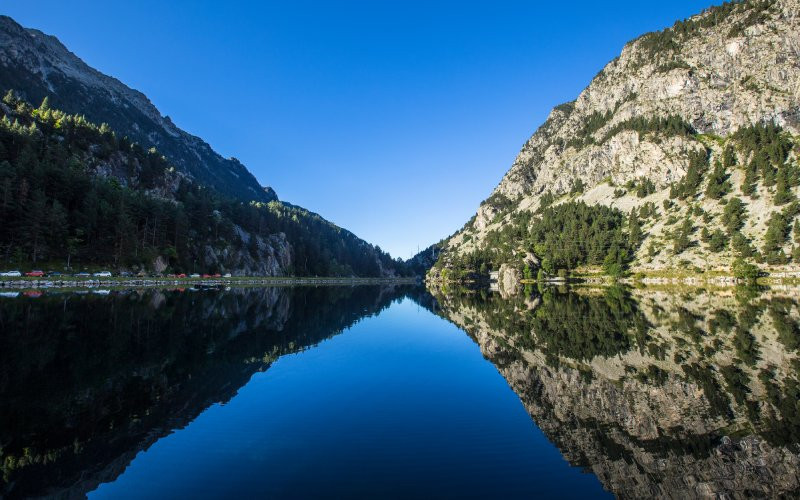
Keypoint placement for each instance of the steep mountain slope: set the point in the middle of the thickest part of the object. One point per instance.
(663, 115)
(74, 193)
(37, 65)
(96, 176)
(71, 191)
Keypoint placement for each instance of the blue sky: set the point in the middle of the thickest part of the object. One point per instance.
(393, 119)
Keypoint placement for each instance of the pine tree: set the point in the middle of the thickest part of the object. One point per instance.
(718, 183)
(741, 245)
(775, 238)
(718, 241)
(645, 187)
(682, 239)
(750, 180)
(634, 230)
(765, 167)
(733, 215)
(728, 157)
(28, 160)
(796, 254)
(57, 228)
(783, 194)
(36, 223)
(796, 230)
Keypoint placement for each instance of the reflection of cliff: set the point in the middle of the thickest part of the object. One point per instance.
(86, 382)
(658, 394)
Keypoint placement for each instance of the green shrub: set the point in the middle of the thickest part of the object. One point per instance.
(745, 270)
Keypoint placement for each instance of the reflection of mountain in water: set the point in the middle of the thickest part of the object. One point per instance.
(657, 393)
(86, 382)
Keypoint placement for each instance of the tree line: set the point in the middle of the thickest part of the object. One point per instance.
(75, 193)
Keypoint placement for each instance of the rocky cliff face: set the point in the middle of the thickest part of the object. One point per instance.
(273, 256)
(730, 67)
(37, 65)
(690, 406)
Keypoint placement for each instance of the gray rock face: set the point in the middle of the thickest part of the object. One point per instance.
(273, 256)
(508, 280)
(717, 84)
(722, 71)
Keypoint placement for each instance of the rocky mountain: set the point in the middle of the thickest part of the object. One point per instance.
(683, 121)
(37, 65)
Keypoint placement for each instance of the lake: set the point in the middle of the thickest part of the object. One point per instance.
(389, 391)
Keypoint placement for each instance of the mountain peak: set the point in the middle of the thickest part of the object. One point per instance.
(37, 65)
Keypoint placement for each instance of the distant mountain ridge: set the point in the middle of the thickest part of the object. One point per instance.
(37, 65)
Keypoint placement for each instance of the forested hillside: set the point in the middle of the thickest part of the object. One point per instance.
(76, 192)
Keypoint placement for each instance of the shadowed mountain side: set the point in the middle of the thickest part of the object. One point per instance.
(39, 65)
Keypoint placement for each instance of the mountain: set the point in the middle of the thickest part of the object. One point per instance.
(37, 65)
(682, 123)
(94, 176)
(76, 194)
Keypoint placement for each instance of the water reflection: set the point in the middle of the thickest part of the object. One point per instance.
(658, 392)
(88, 380)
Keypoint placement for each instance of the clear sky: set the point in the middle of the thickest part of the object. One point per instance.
(393, 119)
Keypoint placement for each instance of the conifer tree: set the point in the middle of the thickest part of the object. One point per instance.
(783, 194)
(718, 183)
(634, 230)
(682, 239)
(733, 215)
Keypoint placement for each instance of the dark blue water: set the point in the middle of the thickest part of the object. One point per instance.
(399, 405)
(381, 392)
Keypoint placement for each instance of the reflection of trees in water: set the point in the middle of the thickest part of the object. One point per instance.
(643, 386)
(582, 328)
(87, 380)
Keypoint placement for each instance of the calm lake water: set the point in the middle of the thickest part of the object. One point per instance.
(391, 392)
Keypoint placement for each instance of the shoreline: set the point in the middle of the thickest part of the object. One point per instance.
(633, 281)
(44, 283)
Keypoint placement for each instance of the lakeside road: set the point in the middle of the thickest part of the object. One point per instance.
(115, 282)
